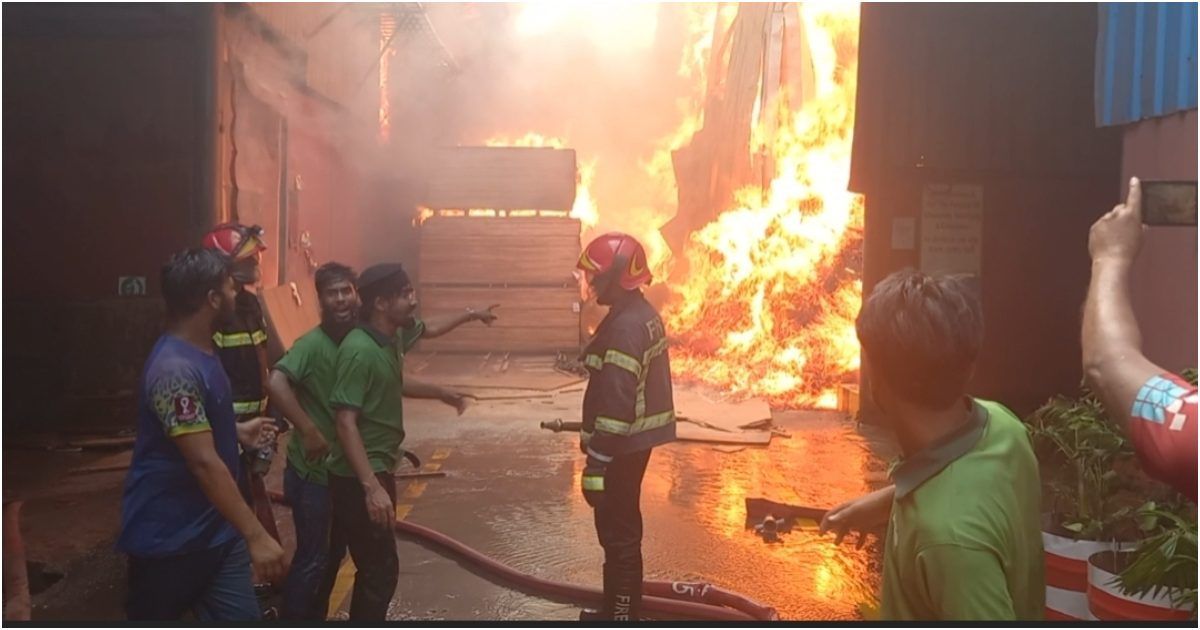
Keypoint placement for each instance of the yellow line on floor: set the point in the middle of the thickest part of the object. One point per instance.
(441, 453)
(342, 586)
(402, 511)
(432, 467)
(415, 489)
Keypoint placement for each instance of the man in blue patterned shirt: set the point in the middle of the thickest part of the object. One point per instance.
(190, 537)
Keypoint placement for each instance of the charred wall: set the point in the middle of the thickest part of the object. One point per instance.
(998, 96)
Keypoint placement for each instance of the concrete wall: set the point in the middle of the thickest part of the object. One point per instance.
(1164, 280)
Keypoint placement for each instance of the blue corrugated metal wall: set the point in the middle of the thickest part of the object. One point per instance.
(1145, 61)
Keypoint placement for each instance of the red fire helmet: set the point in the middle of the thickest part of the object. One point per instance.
(616, 256)
(235, 240)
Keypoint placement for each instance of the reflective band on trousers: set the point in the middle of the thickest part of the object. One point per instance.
(236, 340)
(250, 406)
(621, 427)
(593, 483)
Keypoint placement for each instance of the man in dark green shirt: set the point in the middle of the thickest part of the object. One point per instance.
(963, 524)
(369, 421)
(301, 386)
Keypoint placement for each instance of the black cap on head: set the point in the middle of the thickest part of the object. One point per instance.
(392, 272)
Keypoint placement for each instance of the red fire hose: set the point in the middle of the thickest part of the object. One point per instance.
(676, 599)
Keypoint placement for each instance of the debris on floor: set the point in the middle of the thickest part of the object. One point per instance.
(492, 371)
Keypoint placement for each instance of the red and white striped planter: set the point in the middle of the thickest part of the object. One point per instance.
(1106, 602)
(1067, 573)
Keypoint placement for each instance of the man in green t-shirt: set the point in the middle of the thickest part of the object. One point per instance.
(369, 422)
(301, 384)
(963, 524)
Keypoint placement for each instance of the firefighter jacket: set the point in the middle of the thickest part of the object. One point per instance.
(628, 406)
(242, 346)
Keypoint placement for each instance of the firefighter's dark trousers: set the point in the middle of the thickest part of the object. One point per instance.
(619, 527)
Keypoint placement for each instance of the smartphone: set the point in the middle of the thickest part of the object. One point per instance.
(1168, 203)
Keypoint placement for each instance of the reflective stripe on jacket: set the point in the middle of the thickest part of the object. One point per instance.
(628, 406)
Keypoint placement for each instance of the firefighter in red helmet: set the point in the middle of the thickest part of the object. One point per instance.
(627, 411)
(242, 346)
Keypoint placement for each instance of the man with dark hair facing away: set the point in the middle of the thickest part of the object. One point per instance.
(190, 537)
(963, 518)
(1157, 406)
(369, 423)
(628, 409)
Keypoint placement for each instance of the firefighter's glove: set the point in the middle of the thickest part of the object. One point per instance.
(593, 481)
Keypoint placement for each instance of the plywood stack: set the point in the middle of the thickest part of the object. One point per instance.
(522, 263)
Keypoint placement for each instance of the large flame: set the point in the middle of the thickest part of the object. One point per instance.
(768, 302)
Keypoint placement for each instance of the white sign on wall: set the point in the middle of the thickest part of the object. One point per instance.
(952, 229)
(131, 286)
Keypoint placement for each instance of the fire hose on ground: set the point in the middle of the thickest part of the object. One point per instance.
(688, 600)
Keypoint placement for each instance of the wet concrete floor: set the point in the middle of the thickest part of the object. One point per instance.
(511, 492)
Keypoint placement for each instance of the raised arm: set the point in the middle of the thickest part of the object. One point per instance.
(439, 325)
(1112, 344)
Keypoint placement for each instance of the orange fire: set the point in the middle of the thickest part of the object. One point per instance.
(584, 208)
(768, 302)
(763, 298)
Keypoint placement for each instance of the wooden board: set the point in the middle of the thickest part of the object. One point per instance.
(522, 263)
(519, 306)
(517, 376)
(708, 408)
(546, 315)
(287, 318)
(520, 339)
(502, 178)
(688, 432)
(480, 251)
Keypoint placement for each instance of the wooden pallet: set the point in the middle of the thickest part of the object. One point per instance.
(524, 264)
(508, 178)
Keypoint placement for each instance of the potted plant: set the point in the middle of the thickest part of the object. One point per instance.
(1157, 580)
(1086, 463)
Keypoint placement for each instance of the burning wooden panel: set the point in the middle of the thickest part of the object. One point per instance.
(522, 263)
(504, 178)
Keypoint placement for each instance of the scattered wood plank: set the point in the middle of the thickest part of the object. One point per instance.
(523, 339)
(707, 409)
(419, 474)
(689, 432)
(103, 443)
